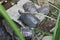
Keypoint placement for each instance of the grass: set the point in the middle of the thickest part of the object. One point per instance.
(56, 35)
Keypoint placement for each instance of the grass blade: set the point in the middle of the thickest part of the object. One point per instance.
(11, 23)
(57, 29)
(56, 35)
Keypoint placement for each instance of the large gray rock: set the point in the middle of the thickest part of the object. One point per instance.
(29, 19)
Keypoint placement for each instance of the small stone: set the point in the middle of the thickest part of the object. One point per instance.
(47, 38)
(44, 10)
(30, 7)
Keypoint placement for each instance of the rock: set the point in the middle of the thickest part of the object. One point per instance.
(7, 27)
(29, 19)
(44, 10)
(27, 32)
(47, 38)
(4, 35)
(30, 7)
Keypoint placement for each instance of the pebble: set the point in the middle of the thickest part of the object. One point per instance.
(47, 38)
